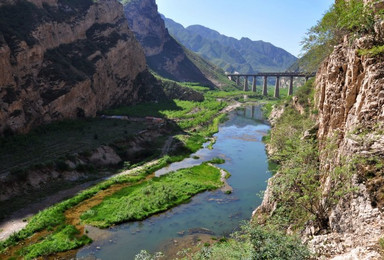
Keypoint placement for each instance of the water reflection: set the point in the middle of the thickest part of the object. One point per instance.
(210, 213)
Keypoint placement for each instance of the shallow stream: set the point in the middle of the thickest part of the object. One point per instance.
(239, 142)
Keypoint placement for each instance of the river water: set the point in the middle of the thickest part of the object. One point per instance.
(239, 142)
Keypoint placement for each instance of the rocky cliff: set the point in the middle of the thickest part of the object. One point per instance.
(349, 103)
(65, 59)
(164, 54)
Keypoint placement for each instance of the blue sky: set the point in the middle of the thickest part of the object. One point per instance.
(281, 22)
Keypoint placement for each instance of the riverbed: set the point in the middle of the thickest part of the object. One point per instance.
(209, 214)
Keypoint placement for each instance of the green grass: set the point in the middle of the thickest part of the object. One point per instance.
(196, 87)
(217, 161)
(64, 239)
(186, 113)
(254, 242)
(54, 215)
(197, 119)
(159, 194)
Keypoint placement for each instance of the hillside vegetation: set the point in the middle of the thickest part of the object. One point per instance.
(230, 54)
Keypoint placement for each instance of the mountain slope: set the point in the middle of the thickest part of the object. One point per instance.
(65, 59)
(164, 54)
(245, 55)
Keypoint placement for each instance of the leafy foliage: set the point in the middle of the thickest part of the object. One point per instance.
(256, 242)
(297, 188)
(343, 18)
(374, 51)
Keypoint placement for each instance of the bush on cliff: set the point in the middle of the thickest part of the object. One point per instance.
(343, 18)
(298, 190)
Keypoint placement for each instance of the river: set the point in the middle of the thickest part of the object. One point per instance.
(239, 142)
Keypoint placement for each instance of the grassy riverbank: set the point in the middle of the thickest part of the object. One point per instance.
(51, 230)
(139, 201)
(61, 227)
(54, 232)
(296, 158)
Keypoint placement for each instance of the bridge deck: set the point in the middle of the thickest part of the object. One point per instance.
(274, 74)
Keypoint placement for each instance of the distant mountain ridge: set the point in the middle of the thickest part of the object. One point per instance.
(164, 55)
(230, 54)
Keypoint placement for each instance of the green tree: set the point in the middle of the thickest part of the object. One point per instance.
(343, 18)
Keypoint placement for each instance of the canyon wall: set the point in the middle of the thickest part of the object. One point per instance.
(66, 59)
(349, 133)
(350, 101)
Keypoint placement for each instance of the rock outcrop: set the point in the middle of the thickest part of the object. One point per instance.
(65, 59)
(164, 54)
(350, 101)
(349, 98)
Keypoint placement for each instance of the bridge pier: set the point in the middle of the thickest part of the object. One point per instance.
(265, 86)
(254, 84)
(277, 87)
(290, 91)
(246, 84)
(265, 75)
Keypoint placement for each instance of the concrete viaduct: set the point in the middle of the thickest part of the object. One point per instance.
(266, 75)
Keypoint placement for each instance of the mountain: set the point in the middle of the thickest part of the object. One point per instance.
(230, 54)
(164, 54)
(66, 59)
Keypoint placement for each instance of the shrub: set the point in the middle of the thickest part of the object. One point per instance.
(256, 242)
(343, 18)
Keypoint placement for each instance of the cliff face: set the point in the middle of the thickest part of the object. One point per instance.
(164, 55)
(349, 135)
(350, 96)
(65, 59)
(350, 101)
